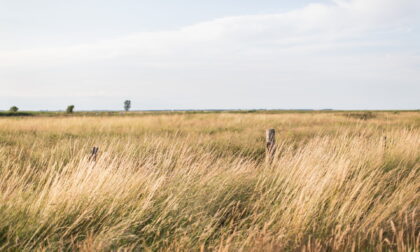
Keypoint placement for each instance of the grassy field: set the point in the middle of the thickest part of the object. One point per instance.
(199, 181)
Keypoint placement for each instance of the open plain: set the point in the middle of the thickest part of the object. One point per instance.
(200, 181)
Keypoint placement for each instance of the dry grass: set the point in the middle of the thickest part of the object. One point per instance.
(199, 182)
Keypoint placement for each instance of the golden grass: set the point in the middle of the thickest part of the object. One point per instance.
(191, 182)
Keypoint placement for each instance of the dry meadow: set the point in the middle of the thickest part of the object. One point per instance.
(199, 182)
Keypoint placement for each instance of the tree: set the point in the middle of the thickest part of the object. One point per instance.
(14, 109)
(70, 109)
(127, 105)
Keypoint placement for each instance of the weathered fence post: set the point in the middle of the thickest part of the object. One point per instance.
(270, 141)
(384, 142)
(94, 154)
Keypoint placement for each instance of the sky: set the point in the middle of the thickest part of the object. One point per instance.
(219, 54)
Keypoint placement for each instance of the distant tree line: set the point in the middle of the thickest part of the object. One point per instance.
(70, 108)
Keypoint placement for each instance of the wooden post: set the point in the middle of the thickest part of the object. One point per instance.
(270, 144)
(385, 143)
(94, 154)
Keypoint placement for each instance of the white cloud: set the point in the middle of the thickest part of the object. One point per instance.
(309, 28)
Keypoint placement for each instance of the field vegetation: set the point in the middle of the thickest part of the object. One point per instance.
(199, 182)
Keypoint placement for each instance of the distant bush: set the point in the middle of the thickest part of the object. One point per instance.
(70, 109)
(362, 116)
(127, 105)
(13, 109)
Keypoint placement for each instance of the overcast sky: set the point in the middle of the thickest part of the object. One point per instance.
(218, 54)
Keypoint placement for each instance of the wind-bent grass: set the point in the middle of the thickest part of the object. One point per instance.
(199, 181)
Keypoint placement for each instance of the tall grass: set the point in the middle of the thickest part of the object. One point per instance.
(200, 182)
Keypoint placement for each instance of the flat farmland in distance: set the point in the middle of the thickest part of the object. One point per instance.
(200, 181)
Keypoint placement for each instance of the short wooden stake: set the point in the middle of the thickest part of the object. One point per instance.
(385, 143)
(270, 144)
(94, 154)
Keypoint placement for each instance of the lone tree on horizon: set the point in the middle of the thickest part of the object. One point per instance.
(127, 105)
(13, 109)
(70, 109)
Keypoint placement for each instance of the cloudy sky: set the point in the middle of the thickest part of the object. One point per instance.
(219, 54)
